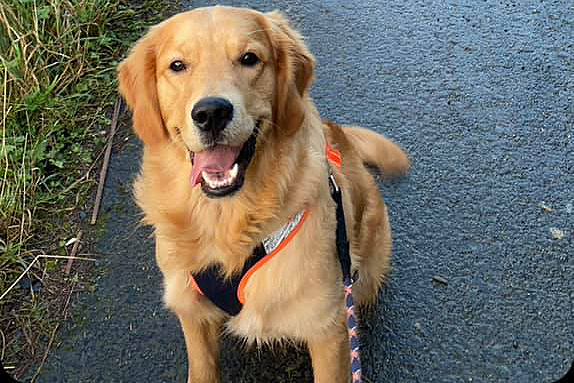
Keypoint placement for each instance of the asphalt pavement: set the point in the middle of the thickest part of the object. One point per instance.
(481, 94)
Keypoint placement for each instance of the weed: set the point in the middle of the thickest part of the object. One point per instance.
(57, 76)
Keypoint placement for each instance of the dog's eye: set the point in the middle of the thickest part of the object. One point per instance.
(177, 66)
(249, 59)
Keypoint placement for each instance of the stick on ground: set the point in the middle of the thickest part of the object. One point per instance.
(74, 251)
(107, 155)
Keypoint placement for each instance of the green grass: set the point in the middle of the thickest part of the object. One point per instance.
(57, 86)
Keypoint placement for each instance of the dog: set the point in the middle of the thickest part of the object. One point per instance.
(237, 159)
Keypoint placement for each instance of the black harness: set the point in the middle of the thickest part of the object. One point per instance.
(223, 292)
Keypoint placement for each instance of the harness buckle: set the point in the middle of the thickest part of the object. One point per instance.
(333, 184)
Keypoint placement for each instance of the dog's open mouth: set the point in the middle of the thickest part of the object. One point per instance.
(221, 168)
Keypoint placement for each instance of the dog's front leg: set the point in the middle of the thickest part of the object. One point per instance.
(201, 339)
(330, 355)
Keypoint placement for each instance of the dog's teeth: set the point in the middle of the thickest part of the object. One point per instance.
(233, 172)
(210, 181)
(214, 182)
(205, 176)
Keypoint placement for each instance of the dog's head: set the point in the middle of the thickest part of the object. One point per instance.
(213, 79)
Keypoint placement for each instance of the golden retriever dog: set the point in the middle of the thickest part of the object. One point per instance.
(235, 152)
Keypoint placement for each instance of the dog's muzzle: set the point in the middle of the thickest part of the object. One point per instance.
(220, 169)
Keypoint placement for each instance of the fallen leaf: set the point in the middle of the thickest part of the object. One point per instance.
(556, 233)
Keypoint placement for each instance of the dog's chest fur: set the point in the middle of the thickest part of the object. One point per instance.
(295, 294)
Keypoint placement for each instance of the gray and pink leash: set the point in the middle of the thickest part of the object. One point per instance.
(345, 260)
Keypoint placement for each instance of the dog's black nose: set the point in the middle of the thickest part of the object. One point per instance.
(211, 114)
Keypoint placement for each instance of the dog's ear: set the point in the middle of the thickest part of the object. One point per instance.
(137, 83)
(294, 68)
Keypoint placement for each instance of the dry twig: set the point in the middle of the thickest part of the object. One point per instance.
(32, 264)
(107, 155)
(74, 251)
(53, 335)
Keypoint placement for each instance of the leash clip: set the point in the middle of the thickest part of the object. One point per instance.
(333, 184)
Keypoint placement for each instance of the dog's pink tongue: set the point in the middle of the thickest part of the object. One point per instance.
(218, 159)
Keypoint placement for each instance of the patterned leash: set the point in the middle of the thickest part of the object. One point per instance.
(352, 325)
(345, 260)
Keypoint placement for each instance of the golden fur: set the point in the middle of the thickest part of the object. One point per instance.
(298, 295)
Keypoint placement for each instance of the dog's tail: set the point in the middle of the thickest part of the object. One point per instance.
(379, 151)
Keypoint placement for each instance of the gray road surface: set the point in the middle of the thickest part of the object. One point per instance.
(481, 94)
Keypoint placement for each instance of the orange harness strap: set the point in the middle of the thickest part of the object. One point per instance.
(333, 155)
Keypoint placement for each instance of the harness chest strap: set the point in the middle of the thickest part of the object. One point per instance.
(228, 293)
